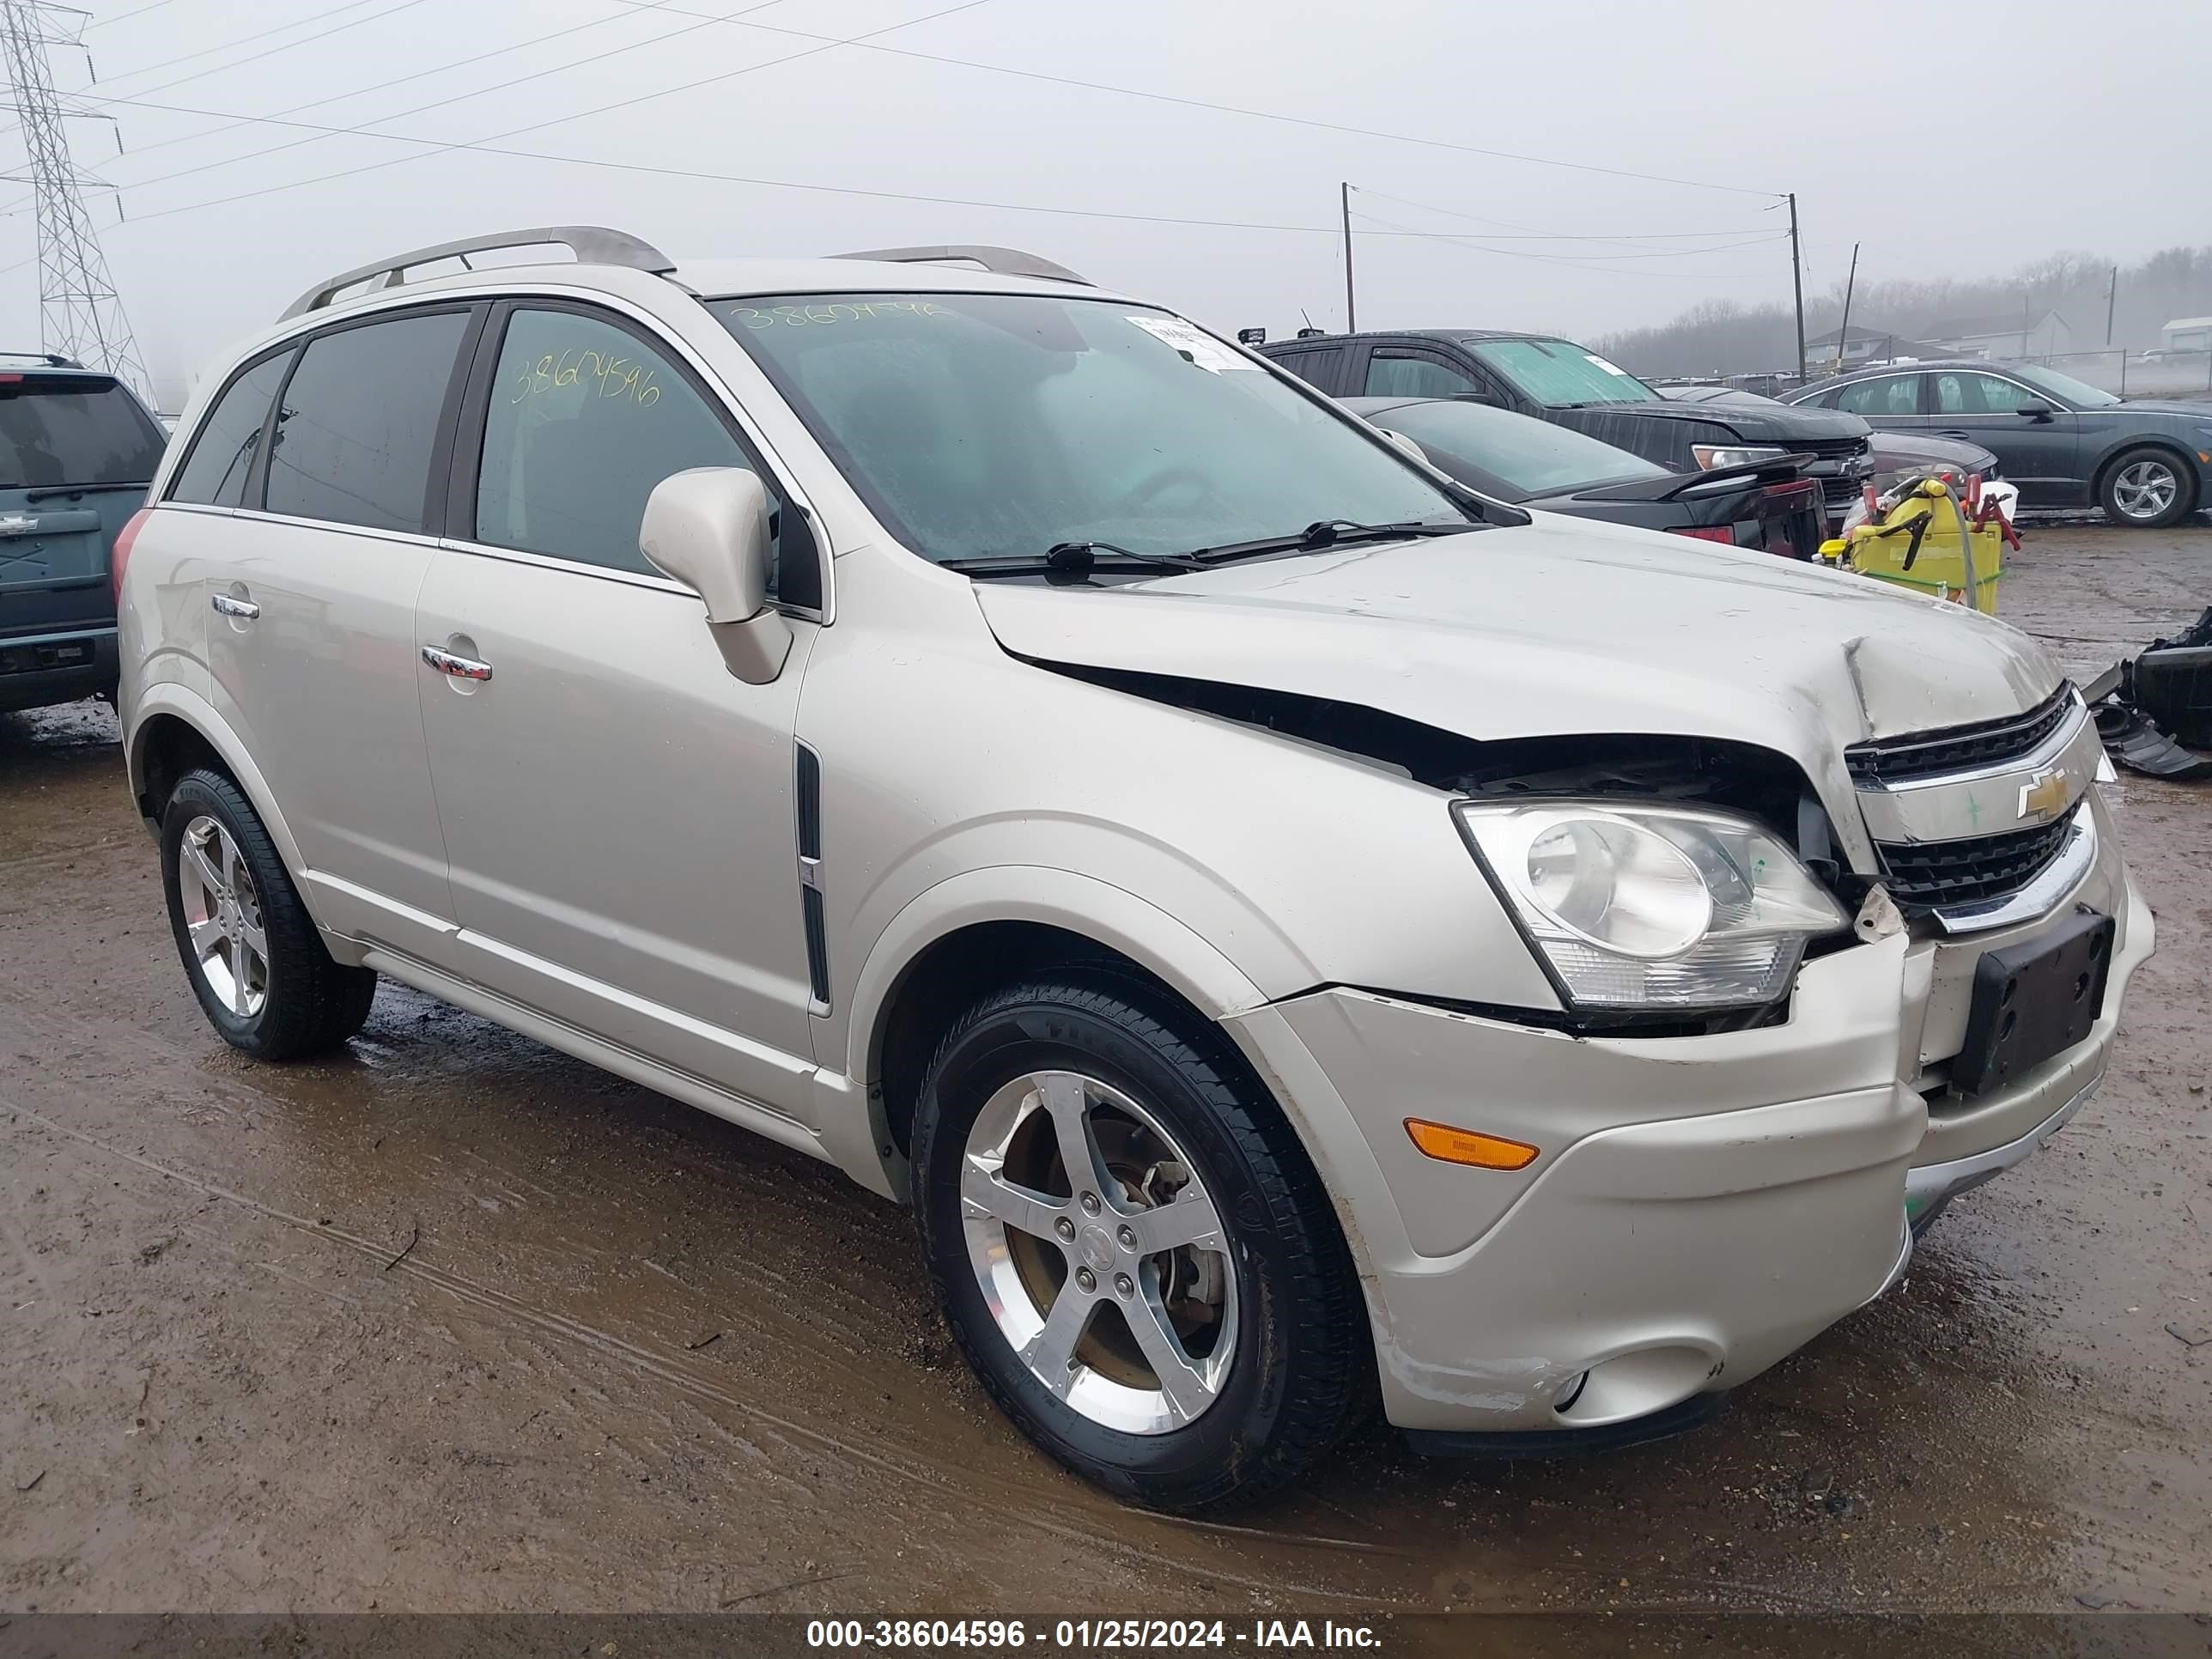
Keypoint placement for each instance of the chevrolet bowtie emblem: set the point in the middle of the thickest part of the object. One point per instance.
(2046, 794)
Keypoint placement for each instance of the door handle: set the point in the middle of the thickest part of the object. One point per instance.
(461, 668)
(225, 605)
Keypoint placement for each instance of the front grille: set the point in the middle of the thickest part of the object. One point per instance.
(1960, 748)
(1935, 875)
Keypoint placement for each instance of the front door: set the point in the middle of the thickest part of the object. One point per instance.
(311, 593)
(618, 808)
(2038, 453)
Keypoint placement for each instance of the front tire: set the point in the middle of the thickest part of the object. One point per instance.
(256, 962)
(1132, 1247)
(2147, 489)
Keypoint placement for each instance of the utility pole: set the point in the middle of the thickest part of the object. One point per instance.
(1798, 282)
(1844, 334)
(2112, 299)
(81, 316)
(1351, 312)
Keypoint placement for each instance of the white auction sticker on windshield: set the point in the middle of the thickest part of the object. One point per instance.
(1199, 347)
(1609, 368)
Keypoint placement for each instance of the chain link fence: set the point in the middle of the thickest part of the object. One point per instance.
(2155, 374)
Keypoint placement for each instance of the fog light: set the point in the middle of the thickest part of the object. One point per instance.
(1442, 1142)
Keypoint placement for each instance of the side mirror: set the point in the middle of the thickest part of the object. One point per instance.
(708, 528)
(2037, 412)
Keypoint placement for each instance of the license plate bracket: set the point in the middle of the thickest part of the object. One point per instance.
(2033, 1000)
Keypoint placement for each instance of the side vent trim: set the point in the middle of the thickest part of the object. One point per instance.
(807, 807)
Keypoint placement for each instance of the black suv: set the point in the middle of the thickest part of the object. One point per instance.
(77, 450)
(1558, 381)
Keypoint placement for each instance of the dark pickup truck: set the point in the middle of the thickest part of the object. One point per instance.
(77, 450)
(1571, 385)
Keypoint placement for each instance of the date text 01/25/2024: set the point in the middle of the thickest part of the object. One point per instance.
(1087, 1634)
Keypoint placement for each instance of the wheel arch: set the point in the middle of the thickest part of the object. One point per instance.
(173, 731)
(977, 930)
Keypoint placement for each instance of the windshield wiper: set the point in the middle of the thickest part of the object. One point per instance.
(1326, 533)
(1072, 559)
(44, 490)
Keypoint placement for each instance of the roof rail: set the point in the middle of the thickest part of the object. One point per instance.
(52, 359)
(591, 245)
(1003, 261)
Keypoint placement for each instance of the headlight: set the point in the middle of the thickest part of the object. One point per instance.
(1652, 907)
(1712, 455)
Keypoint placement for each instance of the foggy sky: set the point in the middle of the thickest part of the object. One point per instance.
(1960, 139)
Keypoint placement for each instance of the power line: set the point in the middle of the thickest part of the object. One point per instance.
(1553, 258)
(558, 121)
(1561, 258)
(1235, 109)
(1626, 239)
(102, 22)
(86, 105)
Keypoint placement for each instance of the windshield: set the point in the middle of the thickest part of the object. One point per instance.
(2063, 387)
(999, 425)
(1560, 374)
(73, 431)
(1533, 456)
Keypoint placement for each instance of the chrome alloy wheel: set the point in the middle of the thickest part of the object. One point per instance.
(1099, 1251)
(2145, 488)
(222, 914)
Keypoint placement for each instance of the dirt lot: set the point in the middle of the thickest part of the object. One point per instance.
(456, 1323)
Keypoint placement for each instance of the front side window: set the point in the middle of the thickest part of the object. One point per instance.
(359, 421)
(1410, 374)
(1001, 425)
(1969, 393)
(1890, 394)
(222, 460)
(1560, 374)
(73, 429)
(584, 420)
(2064, 389)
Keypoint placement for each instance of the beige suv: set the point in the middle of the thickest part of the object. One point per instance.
(1296, 931)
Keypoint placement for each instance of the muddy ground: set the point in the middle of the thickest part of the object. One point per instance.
(455, 1322)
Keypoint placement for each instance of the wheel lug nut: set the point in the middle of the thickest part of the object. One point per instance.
(1090, 1204)
(1086, 1278)
(1129, 1237)
(1064, 1227)
(1124, 1285)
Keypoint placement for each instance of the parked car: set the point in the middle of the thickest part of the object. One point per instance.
(77, 452)
(1295, 931)
(2146, 463)
(1892, 455)
(1763, 504)
(1558, 381)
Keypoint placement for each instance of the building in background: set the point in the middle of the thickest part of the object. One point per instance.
(2187, 334)
(2015, 334)
(1834, 346)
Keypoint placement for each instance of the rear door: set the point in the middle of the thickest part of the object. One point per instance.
(311, 586)
(76, 450)
(1321, 367)
(618, 810)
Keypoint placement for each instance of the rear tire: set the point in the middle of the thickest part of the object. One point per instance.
(2147, 489)
(258, 967)
(1262, 1302)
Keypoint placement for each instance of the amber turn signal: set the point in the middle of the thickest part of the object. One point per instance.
(1440, 1141)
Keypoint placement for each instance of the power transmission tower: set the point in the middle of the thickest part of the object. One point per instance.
(80, 314)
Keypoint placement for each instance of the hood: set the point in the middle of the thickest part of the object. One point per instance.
(1897, 449)
(1780, 424)
(1561, 627)
(2201, 412)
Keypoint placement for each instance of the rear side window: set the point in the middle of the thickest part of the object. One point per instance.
(74, 429)
(358, 422)
(584, 420)
(1320, 366)
(215, 472)
(1892, 394)
(1415, 374)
